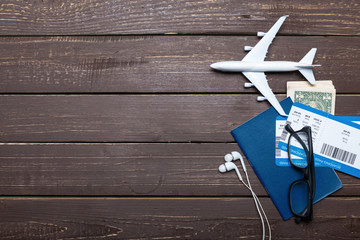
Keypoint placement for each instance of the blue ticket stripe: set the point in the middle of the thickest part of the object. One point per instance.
(336, 165)
(283, 146)
(282, 162)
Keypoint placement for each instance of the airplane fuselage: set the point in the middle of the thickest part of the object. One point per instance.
(263, 66)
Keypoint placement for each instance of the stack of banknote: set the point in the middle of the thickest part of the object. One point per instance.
(320, 96)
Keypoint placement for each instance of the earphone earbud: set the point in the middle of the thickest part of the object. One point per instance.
(228, 157)
(228, 166)
(236, 155)
(233, 156)
(222, 168)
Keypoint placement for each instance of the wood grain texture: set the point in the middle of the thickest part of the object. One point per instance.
(194, 218)
(133, 118)
(154, 64)
(44, 17)
(127, 170)
(112, 124)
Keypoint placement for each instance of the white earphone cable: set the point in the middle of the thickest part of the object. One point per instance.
(263, 211)
(254, 195)
(255, 201)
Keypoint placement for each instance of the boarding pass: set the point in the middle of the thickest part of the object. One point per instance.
(336, 140)
(281, 157)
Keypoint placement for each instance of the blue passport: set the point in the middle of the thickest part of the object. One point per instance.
(256, 139)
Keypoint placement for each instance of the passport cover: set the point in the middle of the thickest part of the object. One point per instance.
(256, 139)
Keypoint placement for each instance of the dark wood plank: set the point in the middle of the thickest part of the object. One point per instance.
(126, 169)
(144, 17)
(149, 64)
(137, 218)
(133, 118)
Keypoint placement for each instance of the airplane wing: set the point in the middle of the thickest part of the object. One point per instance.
(258, 53)
(260, 82)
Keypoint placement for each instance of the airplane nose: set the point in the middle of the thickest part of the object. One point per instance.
(215, 66)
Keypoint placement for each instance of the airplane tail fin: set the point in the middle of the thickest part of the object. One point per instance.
(306, 72)
(309, 57)
(309, 75)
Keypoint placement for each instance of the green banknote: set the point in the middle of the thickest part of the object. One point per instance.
(320, 95)
(319, 100)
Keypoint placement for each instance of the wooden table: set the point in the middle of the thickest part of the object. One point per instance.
(112, 124)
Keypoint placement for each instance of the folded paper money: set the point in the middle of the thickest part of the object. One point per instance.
(320, 96)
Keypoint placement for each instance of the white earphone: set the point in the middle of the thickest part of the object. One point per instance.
(227, 167)
(233, 156)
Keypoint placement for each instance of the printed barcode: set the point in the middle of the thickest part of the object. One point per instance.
(277, 150)
(285, 133)
(338, 153)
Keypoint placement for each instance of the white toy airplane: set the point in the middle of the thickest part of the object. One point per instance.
(253, 66)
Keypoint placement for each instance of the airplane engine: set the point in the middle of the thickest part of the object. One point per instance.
(248, 48)
(248, 85)
(261, 34)
(260, 98)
